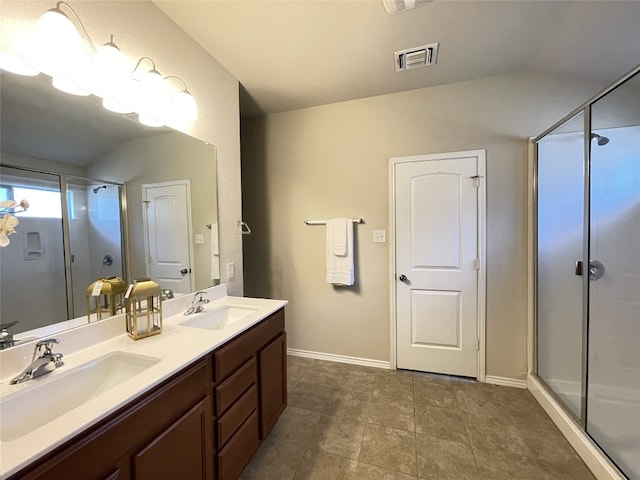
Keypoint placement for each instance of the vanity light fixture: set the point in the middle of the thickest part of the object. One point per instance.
(59, 51)
(183, 106)
(60, 47)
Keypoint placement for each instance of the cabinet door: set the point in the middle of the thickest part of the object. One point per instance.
(273, 383)
(182, 451)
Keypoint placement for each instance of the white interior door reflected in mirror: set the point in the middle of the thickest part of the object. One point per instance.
(167, 228)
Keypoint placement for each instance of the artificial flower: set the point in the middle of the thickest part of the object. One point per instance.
(7, 224)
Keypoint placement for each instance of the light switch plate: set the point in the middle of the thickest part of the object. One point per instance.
(379, 236)
(231, 270)
(199, 239)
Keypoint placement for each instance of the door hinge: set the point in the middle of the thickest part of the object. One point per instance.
(477, 345)
(476, 264)
(476, 180)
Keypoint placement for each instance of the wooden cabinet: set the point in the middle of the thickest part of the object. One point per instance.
(178, 408)
(205, 422)
(250, 388)
(181, 451)
(273, 383)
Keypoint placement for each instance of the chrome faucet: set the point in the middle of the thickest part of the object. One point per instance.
(198, 303)
(6, 337)
(43, 361)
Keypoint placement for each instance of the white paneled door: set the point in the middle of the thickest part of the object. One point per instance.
(437, 262)
(167, 232)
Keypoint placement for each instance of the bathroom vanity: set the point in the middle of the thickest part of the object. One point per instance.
(204, 421)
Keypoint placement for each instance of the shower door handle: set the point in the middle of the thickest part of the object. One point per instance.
(596, 269)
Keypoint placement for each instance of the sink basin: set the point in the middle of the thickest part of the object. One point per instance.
(220, 317)
(49, 397)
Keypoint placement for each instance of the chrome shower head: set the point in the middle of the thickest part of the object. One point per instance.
(97, 189)
(601, 139)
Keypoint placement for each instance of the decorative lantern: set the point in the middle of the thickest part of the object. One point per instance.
(105, 298)
(144, 308)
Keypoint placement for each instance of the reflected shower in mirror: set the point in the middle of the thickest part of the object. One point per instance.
(103, 161)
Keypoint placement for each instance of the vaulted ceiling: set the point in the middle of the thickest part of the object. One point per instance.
(295, 54)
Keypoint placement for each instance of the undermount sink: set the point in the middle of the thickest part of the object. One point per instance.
(219, 317)
(49, 397)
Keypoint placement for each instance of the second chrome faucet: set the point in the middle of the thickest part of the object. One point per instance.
(198, 303)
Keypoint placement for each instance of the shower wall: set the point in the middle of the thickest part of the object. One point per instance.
(588, 319)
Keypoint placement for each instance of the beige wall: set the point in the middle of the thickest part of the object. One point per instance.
(142, 29)
(332, 161)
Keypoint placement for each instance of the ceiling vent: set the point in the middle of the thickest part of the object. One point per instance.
(416, 57)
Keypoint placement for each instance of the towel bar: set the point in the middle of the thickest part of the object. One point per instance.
(324, 222)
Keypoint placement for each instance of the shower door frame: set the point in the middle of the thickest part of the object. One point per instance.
(574, 428)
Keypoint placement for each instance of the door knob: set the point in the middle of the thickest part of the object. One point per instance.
(184, 271)
(403, 278)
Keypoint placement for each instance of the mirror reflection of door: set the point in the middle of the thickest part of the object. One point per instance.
(167, 219)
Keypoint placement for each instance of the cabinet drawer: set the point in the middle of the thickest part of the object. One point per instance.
(229, 357)
(233, 388)
(242, 446)
(229, 423)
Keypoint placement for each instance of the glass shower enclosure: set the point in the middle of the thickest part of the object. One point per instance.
(70, 236)
(587, 292)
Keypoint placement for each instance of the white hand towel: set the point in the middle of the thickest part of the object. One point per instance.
(340, 267)
(339, 236)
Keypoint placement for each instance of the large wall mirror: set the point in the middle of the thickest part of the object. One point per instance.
(108, 197)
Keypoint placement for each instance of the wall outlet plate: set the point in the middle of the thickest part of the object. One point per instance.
(379, 236)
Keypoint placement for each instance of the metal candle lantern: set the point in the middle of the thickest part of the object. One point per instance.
(105, 298)
(144, 309)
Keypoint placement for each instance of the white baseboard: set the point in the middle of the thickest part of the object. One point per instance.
(505, 381)
(366, 362)
(593, 457)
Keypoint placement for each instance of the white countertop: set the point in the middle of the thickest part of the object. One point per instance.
(176, 347)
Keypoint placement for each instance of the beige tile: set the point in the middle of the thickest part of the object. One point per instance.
(274, 459)
(545, 441)
(436, 394)
(501, 465)
(432, 378)
(392, 413)
(572, 469)
(296, 425)
(372, 472)
(319, 465)
(358, 381)
(338, 436)
(494, 433)
(309, 396)
(445, 459)
(440, 422)
(389, 448)
(394, 386)
(348, 404)
(478, 398)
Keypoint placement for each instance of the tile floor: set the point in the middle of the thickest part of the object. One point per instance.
(359, 423)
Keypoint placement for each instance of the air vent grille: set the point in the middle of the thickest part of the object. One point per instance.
(416, 57)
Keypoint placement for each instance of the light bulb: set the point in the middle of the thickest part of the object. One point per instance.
(149, 119)
(67, 85)
(12, 62)
(111, 64)
(115, 105)
(184, 108)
